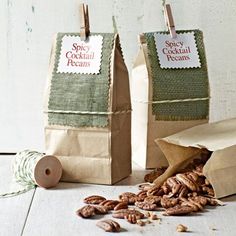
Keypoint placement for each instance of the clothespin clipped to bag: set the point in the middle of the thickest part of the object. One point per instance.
(84, 22)
(169, 20)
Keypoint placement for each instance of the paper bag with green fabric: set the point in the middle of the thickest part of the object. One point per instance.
(165, 100)
(88, 109)
(219, 139)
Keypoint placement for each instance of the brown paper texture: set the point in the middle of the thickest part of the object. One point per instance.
(94, 154)
(220, 138)
(145, 128)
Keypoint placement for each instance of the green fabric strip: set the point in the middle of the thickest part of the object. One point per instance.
(81, 92)
(172, 84)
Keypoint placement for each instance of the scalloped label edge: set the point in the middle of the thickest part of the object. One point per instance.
(99, 60)
(192, 33)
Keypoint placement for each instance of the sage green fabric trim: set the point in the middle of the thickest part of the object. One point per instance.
(81, 92)
(175, 84)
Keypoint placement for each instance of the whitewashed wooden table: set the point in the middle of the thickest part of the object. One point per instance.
(52, 212)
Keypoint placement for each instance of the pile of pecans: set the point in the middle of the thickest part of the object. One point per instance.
(187, 192)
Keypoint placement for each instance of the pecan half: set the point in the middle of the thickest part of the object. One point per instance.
(181, 228)
(199, 169)
(86, 211)
(169, 202)
(214, 202)
(183, 192)
(207, 182)
(141, 195)
(178, 210)
(146, 206)
(110, 204)
(208, 190)
(101, 210)
(94, 199)
(128, 197)
(131, 218)
(194, 205)
(190, 184)
(154, 217)
(166, 188)
(140, 223)
(108, 225)
(120, 214)
(150, 177)
(145, 186)
(200, 199)
(153, 199)
(121, 205)
(155, 191)
(193, 176)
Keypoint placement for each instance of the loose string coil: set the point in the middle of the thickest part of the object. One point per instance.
(31, 169)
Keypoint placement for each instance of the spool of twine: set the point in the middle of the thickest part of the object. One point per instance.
(31, 169)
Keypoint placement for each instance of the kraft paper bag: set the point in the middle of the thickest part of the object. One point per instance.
(151, 86)
(88, 117)
(218, 138)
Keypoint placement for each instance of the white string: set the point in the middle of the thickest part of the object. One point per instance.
(173, 101)
(88, 112)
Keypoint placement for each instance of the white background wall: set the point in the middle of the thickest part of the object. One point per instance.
(27, 28)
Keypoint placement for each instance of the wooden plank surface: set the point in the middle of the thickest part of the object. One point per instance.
(14, 210)
(52, 211)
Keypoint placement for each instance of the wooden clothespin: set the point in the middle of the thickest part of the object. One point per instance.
(84, 22)
(169, 20)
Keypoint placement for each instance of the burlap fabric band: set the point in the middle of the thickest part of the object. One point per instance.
(81, 93)
(190, 85)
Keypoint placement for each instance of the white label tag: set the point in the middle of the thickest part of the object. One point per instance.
(180, 52)
(82, 57)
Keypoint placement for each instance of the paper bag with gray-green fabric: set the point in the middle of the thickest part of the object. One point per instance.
(88, 114)
(218, 138)
(165, 100)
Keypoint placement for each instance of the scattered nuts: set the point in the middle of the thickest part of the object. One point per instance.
(186, 192)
